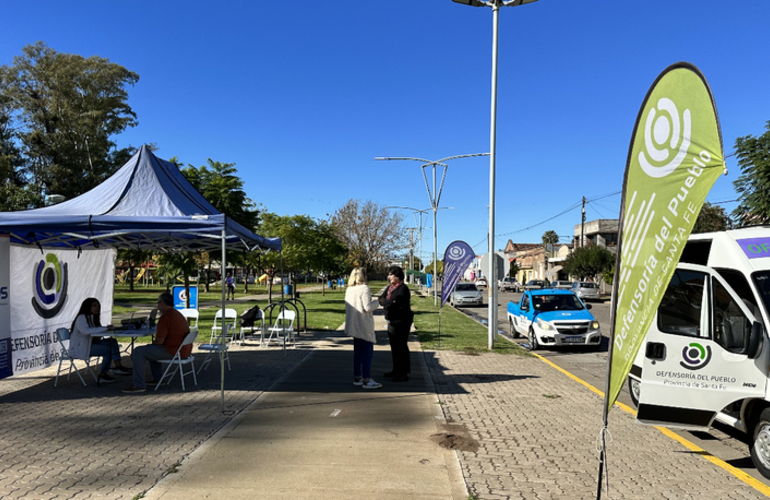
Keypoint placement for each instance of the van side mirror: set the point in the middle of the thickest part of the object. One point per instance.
(588, 306)
(754, 344)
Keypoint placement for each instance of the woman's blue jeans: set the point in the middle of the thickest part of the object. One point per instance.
(108, 349)
(363, 352)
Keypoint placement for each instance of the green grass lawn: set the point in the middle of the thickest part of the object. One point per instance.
(458, 331)
(326, 311)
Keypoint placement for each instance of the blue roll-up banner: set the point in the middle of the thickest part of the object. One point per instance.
(180, 297)
(457, 257)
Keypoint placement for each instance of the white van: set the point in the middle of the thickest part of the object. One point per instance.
(706, 355)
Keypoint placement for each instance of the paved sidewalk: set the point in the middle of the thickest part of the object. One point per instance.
(75, 442)
(537, 431)
(316, 436)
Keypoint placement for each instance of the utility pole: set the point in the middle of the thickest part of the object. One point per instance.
(411, 252)
(583, 224)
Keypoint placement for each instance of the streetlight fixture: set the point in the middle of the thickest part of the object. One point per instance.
(495, 4)
(419, 224)
(434, 198)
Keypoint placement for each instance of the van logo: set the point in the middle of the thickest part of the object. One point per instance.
(695, 356)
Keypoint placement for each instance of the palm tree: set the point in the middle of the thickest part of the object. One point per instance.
(549, 238)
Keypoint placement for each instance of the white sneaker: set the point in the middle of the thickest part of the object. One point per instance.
(371, 384)
(358, 382)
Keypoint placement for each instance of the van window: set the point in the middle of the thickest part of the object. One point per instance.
(680, 309)
(741, 286)
(731, 326)
(762, 282)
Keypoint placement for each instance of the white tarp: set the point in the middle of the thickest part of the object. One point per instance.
(47, 290)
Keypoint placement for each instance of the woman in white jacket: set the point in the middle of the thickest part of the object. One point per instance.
(85, 341)
(359, 324)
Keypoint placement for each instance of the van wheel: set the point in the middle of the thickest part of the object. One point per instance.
(514, 332)
(534, 345)
(760, 443)
(634, 386)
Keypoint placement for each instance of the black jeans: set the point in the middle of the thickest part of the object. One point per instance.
(398, 336)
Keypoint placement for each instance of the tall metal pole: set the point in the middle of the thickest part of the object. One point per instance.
(434, 202)
(492, 278)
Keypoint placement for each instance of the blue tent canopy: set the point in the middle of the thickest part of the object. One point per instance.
(146, 204)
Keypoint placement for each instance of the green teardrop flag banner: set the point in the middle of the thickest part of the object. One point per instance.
(675, 157)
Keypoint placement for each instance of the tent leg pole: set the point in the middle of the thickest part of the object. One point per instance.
(224, 319)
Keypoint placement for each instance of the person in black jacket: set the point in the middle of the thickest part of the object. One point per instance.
(398, 313)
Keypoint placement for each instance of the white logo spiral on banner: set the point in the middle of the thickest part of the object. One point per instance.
(666, 132)
(456, 253)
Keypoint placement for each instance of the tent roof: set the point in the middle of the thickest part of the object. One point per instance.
(146, 204)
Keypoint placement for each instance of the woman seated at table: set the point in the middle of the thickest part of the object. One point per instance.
(85, 342)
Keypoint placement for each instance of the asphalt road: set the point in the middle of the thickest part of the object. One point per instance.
(723, 442)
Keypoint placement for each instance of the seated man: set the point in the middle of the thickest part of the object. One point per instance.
(169, 335)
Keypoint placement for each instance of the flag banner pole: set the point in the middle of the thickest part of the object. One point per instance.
(457, 256)
(675, 156)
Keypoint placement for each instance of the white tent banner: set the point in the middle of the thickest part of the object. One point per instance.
(48, 288)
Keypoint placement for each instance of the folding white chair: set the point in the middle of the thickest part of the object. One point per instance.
(64, 334)
(260, 317)
(191, 315)
(283, 328)
(216, 347)
(231, 315)
(178, 362)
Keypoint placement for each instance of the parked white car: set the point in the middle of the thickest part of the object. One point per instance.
(466, 294)
(508, 284)
(586, 290)
(481, 282)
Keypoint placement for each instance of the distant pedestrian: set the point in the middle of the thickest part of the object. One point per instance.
(359, 324)
(230, 284)
(398, 313)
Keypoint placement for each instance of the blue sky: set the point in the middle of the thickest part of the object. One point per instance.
(303, 95)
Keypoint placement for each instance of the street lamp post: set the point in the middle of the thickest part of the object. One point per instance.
(434, 197)
(417, 213)
(495, 4)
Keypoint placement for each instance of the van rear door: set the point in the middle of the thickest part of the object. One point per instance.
(695, 354)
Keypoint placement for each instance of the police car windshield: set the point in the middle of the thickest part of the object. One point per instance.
(546, 303)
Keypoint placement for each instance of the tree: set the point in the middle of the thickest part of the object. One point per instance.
(439, 265)
(711, 218)
(514, 270)
(221, 187)
(589, 262)
(16, 193)
(550, 238)
(371, 233)
(134, 258)
(172, 265)
(308, 245)
(753, 185)
(68, 109)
